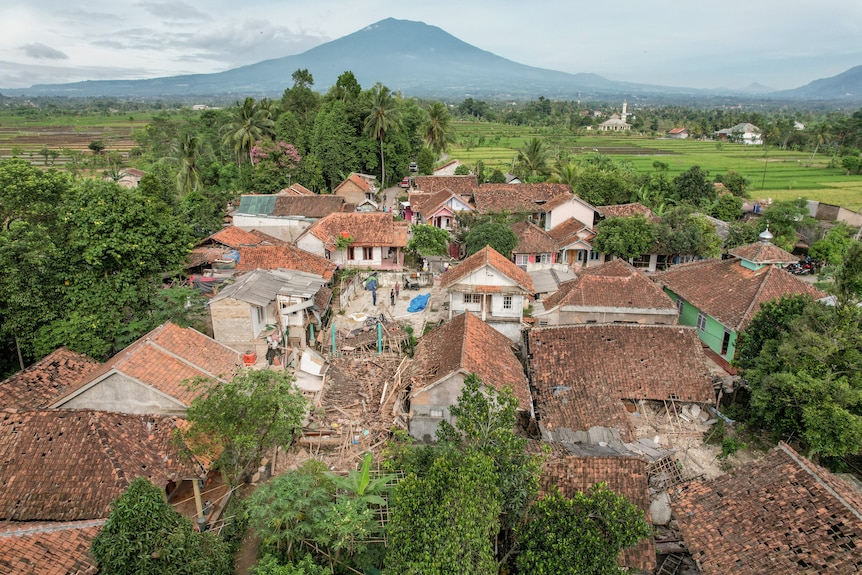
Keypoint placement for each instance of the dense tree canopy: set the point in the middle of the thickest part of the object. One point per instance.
(235, 422)
(495, 234)
(143, 535)
(628, 237)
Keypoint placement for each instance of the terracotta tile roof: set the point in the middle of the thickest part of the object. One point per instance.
(366, 229)
(532, 239)
(217, 246)
(45, 380)
(427, 203)
(764, 253)
(314, 206)
(627, 210)
(729, 292)
(462, 186)
(625, 476)
(614, 284)
(781, 514)
(164, 359)
(521, 198)
(469, 344)
(356, 180)
(49, 548)
(581, 373)
(488, 256)
(285, 256)
(570, 231)
(296, 190)
(68, 465)
(234, 237)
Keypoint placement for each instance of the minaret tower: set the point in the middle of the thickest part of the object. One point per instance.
(624, 114)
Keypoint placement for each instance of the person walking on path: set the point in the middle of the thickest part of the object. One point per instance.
(392, 297)
(397, 289)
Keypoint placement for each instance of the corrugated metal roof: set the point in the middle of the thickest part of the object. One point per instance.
(256, 205)
(261, 287)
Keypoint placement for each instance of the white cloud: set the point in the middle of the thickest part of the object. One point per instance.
(40, 51)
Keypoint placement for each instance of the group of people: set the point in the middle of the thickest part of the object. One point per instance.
(371, 285)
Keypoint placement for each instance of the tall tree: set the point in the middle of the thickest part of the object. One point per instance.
(628, 237)
(383, 118)
(249, 123)
(438, 130)
(143, 535)
(495, 234)
(235, 422)
(584, 534)
(533, 160)
(185, 154)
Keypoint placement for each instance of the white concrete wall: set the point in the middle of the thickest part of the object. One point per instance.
(120, 394)
(286, 229)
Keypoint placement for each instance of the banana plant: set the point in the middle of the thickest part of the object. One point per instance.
(360, 486)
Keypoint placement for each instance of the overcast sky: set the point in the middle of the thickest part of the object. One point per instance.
(692, 43)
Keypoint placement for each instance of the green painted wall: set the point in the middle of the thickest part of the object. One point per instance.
(713, 335)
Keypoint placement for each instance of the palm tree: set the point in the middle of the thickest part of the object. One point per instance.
(566, 174)
(250, 123)
(186, 152)
(820, 133)
(438, 131)
(384, 117)
(533, 158)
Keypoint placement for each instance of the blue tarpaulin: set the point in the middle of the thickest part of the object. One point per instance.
(418, 303)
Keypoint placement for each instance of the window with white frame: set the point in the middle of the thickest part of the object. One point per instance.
(472, 298)
(594, 255)
(701, 321)
(543, 258)
(507, 302)
(437, 413)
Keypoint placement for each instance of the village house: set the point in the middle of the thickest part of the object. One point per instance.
(285, 216)
(545, 204)
(221, 249)
(678, 133)
(492, 287)
(586, 379)
(262, 308)
(62, 469)
(535, 245)
(149, 376)
(614, 292)
(356, 188)
(744, 133)
(39, 384)
(573, 239)
(447, 355)
(363, 240)
(721, 297)
(130, 177)
(461, 186)
(437, 209)
(624, 475)
(780, 514)
(284, 257)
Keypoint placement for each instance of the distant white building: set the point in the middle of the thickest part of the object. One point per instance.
(744, 133)
(617, 122)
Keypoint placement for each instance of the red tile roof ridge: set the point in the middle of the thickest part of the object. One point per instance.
(490, 257)
(29, 527)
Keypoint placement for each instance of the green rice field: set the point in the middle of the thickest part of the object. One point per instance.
(772, 173)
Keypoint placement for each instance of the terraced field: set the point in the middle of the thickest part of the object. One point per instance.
(772, 173)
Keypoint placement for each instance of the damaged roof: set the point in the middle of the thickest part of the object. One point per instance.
(45, 380)
(69, 465)
(284, 257)
(780, 514)
(581, 373)
(41, 548)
